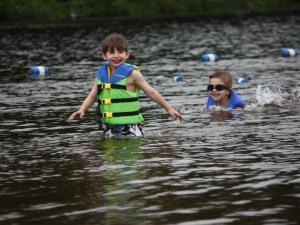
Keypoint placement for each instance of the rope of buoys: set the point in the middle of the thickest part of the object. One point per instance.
(210, 57)
(39, 71)
(178, 78)
(289, 52)
(243, 80)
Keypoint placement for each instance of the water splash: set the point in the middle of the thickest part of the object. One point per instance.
(265, 96)
(268, 97)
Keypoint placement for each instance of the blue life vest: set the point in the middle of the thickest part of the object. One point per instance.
(234, 102)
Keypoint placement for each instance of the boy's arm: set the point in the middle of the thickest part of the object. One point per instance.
(140, 82)
(87, 103)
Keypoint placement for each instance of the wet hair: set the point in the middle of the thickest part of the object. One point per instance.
(113, 41)
(224, 76)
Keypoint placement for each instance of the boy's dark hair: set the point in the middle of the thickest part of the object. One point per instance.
(113, 41)
(224, 76)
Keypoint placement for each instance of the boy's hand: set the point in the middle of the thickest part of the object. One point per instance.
(78, 113)
(176, 115)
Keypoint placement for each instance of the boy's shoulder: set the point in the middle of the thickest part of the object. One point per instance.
(132, 66)
(135, 73)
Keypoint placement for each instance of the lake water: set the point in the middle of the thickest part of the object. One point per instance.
(212, 168)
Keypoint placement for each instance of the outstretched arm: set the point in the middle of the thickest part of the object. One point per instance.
(140, 82)
(87, 103)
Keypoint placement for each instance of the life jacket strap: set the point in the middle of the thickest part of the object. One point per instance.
(108, 101)
(111, 86)
(118, 114)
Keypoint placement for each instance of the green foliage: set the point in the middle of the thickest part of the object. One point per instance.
(32, 10)
(63, 10)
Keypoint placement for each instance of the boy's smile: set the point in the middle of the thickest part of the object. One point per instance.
(116, 57)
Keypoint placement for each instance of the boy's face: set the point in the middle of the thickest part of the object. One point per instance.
(116, 57)
(219, 90)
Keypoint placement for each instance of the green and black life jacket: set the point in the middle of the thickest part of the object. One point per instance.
(116, 105)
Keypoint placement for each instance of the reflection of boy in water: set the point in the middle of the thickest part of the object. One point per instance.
(117, 88)
(221, 94)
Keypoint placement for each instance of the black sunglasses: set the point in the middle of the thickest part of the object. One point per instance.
(218, 87)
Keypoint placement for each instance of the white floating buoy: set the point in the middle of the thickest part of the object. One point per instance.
(41, 71)
(209, 58)
(178, 78)
(243, 80)
(289, 52)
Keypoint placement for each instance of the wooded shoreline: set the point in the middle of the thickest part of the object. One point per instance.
(26, 12)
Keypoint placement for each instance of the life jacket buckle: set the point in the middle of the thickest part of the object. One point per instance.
(107, 115)
(106, 101)
(106, 86)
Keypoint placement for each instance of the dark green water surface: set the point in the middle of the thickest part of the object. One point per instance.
(209, 169)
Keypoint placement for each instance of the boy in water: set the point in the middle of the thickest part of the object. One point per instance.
(117, 88)
(221, 94)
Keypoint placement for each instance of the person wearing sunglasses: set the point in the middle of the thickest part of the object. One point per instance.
(221, 94)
